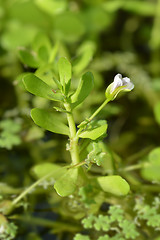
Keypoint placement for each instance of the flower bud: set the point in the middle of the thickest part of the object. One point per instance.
(119, 84)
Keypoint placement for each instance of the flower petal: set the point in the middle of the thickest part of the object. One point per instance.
(126, 80)
(129, 86)
(117, 82)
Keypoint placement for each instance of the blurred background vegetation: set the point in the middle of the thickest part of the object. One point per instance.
(105, 37)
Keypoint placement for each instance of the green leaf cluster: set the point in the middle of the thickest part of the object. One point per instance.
(115, 219)
(9, 136)
(8, 229)
(148, 213)
(42, 88)
(96, 153)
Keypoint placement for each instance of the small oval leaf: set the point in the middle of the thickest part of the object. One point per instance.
(151, 170)
(84, 88)
(95, 130)
(67, 184)
(114, 184)
(43, 169)
(29, 58)
(49, 121)
(65, 73)
(39, 88)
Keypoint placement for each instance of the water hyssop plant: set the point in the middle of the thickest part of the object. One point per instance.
(85, 140)
(80, 157)
(85, 191)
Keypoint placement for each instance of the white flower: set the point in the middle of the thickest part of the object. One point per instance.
(119, 84)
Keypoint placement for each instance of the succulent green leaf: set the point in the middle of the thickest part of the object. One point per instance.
(43, 169)
(84, 88)
(45, 74)
(39, 88)
(114, 184)
(67, 184)
(65, 73)
(151, 170)
(95, 130)
(29, 58)
(49, 121)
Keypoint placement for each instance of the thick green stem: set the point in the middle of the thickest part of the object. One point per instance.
(74, 150)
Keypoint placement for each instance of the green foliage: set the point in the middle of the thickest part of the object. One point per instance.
(68, 27)
(44, 169)
(83, 90)
(52, 7)
(81, 237)
(39, 88)
(9, 136)
(29, 58)
(95, 154)
(87, 194)
(49, 121)
(114, 184)
(8, 230)
(128, 229)
(65, 74)
(125, 228)
(157, 112)
(61, 42)
(94, 130)
(67, 184)
(148, 213)
(84, 55)
(151, 169)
